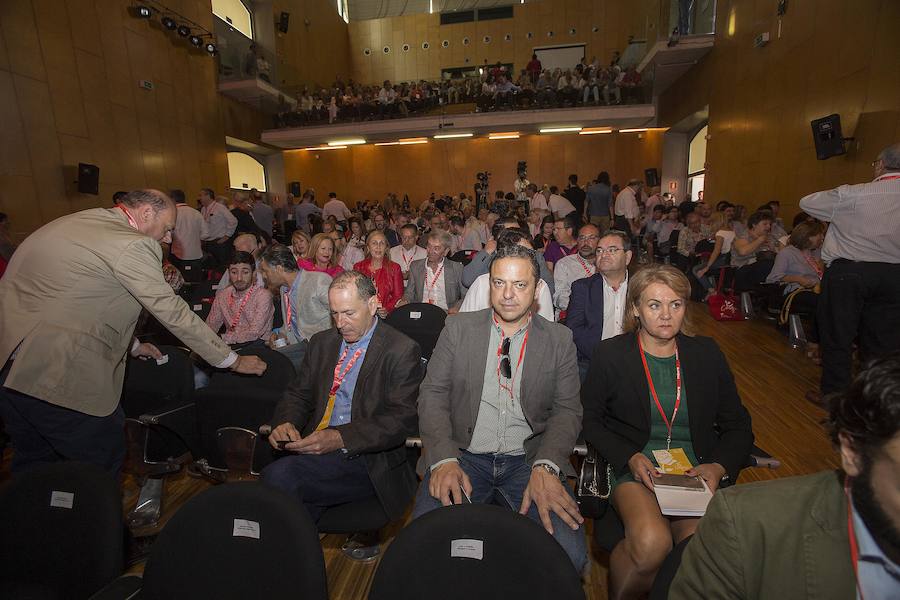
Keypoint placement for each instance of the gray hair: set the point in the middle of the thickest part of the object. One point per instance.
(624, 238)
(890, 157)
(277, 255)
(155, 198)
(365, 287)
(440, 236)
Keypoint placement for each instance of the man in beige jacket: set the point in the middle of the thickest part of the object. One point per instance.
(69, 303)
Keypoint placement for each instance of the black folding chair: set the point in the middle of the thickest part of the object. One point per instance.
(160, 426)
(422, 322)
(468, 551)
(232, 408)
(239, 540)
(61, 533)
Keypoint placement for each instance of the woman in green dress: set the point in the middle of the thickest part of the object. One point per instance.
(656, 387)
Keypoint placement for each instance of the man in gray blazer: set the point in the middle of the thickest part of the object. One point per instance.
(499, 409)
(304, 301)
(435, 279)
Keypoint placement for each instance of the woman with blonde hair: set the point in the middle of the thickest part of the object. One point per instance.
(321, 256)
(658, 388)
(299, 244)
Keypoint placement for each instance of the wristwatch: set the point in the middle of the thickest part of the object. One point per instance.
(550, 469)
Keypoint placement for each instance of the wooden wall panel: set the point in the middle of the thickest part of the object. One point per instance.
(69, 72)
(833, 56)
(616, 21)
(314, 53)
(449, 166)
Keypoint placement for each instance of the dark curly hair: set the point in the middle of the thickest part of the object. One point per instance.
(868, 412)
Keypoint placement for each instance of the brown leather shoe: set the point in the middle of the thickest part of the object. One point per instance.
(814, 397)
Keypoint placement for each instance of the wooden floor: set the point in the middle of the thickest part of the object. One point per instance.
(771, 378)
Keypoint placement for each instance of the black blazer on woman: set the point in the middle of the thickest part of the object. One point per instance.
(616, 401)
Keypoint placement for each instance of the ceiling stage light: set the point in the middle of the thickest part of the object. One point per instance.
(169, 23)
(196, 41)
(184, 30)
(211, 48)
(143, 12)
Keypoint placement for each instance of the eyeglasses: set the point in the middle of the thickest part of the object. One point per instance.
(505, 365)
(612, 250)
(588, 238)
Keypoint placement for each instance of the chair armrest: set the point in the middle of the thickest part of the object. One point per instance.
(121, 588)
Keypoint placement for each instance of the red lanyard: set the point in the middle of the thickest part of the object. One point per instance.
(669, 424)
(433, 281)
(815, 266)
(236, 319)
(851, 534)
(407, 261)
(128, 216)
(585, 266)
(887, 177)
(500, 358)
(340, 376)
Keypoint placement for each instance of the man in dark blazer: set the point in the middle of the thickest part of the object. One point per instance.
(499, 410)
(345, 418)
(587, 313)
(435, 279)
(791, 538)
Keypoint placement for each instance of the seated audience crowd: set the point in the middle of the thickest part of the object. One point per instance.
(493, 88)
(555, 324)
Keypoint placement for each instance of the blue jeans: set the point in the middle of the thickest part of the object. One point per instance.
(502, 480)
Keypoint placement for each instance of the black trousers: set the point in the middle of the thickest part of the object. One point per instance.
(221, 253)
(320, 481)
(858, 299)
(42, 432)
(191, 270)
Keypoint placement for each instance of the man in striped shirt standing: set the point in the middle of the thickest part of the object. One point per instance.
(861, 288)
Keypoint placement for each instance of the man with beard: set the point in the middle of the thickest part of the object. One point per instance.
(575, 266)
(828, 535)
(245, 307)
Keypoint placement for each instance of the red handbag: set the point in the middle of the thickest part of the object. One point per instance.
(725, 306)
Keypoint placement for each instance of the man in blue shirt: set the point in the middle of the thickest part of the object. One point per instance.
(343, 422)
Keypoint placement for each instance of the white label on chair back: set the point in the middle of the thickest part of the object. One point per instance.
(198, 307)
(467, 549)
(415, 315)
(62, 499)
(245, 528)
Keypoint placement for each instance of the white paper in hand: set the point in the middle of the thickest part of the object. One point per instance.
(467, 549)
(245, 528)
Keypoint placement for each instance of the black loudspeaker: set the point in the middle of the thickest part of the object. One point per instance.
(295, 189)
(88, 179)
(651, 177)
(283, 22)
(828, 137)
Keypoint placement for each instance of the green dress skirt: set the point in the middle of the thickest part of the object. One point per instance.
(662, 372)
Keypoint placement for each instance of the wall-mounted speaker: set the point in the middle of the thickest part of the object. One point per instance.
(828, 137)
(651, 177)
(283, 22)
(88, 179)
(295, 189)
